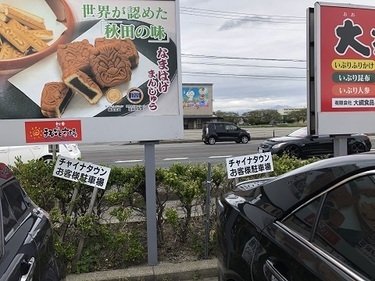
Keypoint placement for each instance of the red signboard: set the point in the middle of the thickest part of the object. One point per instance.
(53, 131)
(347, 59)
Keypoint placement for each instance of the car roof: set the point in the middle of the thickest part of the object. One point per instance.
(294, 187)
(6, 173)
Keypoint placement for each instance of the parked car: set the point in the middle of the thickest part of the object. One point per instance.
(8, 154)
(314, 223)
(26, 236)
(302, 145)
(223, 131)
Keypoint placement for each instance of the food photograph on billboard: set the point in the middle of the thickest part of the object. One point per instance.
(64, 60)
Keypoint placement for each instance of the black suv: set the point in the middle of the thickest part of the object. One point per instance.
(223, 131)
(26, 236)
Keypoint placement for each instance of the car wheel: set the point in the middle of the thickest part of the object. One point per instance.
(47, 159)
(293, 151)
(211, 140)
(244, 139)
(357, 147)
(206, 142)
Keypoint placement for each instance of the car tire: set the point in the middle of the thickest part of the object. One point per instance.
(205, 142)
(357, 147)
(293, 151)
(211, 140)
(244, 139)
(47, 158)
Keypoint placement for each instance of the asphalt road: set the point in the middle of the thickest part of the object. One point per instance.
(166, 153)
(189, 150)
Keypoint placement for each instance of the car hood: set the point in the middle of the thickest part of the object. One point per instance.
(282, 139)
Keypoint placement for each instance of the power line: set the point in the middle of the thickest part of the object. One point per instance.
(273, 77)
(241, 58)
(242, 16)
(243, 65)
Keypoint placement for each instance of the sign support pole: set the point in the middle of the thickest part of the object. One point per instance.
(152, 241)
(340, 145)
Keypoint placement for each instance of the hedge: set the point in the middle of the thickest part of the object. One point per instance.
(113, 236)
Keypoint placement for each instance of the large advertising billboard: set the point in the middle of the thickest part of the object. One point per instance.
(93, 71)
(197, 99)
(345, 64)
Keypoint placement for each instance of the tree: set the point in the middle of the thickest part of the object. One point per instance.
(228, 116)
(297, 116)
(263, 116)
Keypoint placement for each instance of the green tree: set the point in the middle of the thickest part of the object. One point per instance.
(297, 116)
(263, 116)
(228, 116)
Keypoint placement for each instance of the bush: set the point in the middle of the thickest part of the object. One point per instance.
(116, 229)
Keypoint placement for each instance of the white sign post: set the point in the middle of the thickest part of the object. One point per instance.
(85, 173)
(248, 165)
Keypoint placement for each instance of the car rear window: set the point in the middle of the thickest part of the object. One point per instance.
(15, 197)
(8, 218)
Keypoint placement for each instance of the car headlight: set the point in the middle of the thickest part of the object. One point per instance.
(278, 145)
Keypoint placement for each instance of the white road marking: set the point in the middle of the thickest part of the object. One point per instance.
(174, 159)
(128, 161)
(223, 156)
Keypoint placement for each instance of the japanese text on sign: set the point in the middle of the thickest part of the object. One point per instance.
(53, 131)
(158, 82)
(108, 12)
(248, 165)
(119, 12)
(79, 171)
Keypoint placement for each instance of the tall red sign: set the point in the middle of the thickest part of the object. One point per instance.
(347, 59)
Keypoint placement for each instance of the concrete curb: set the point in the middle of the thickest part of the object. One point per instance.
(194, 270)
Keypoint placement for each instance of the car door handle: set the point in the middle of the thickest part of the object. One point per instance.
(30, 266)
(271, 271)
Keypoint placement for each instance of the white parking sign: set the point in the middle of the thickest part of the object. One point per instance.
(248, 165)
(85, 172)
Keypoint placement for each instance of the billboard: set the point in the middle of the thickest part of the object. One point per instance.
(197, 99)
(94, 71)
(345, 63)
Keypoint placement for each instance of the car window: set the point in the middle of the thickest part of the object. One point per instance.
(220, 127)
(230, 127)
(15, 197)
(8, 218)
(302, 132)
(346, 226)
(349, 212)
(303, 220)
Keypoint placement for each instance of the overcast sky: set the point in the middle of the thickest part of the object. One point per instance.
(253, 51)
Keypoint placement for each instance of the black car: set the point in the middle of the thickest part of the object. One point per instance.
(27, 247)
(301, 145)
(223, 131)
(314, 223)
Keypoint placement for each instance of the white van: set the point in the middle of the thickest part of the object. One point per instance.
(45, 152)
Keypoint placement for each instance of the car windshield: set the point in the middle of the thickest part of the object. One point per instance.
(301, 133)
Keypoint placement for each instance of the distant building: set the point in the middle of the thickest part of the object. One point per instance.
(197, 106)
(286, 111)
